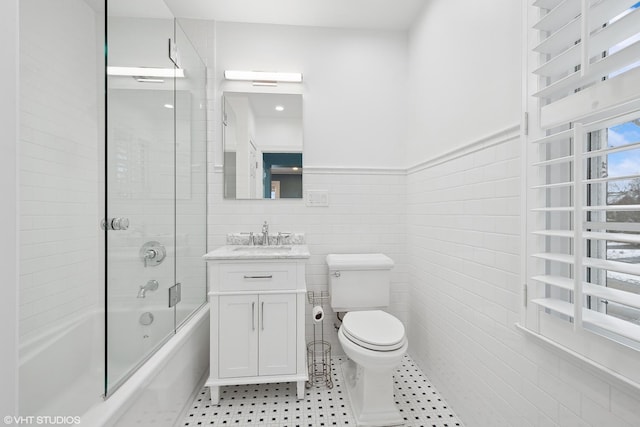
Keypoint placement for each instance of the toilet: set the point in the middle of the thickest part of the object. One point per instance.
(373, 340)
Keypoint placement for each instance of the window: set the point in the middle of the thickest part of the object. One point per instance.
(612, 233)
(583, 178)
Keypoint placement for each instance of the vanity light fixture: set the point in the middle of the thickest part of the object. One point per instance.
(263, 77)
(279, 108)
(168, 106)
(145, 72)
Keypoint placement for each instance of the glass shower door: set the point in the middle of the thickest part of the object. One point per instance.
(140, 182)
(191, 178)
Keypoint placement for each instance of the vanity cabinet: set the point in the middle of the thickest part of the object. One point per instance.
(257, 322)
(257, 335)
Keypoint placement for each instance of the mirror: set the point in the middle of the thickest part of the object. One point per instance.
(262, 142)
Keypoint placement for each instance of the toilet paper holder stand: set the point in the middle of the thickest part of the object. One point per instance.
(318, 350)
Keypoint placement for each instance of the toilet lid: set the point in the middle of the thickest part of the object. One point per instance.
(374, 329)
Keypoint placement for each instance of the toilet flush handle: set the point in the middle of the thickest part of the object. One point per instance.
(336, 273)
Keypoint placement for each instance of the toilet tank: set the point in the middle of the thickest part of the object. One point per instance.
(359, 281)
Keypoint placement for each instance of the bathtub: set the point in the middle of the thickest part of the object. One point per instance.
(76, 351)
(155, 395)
(134, 340)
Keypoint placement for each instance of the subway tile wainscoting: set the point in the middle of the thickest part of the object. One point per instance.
(463, 239)
(463, 235)
(275, 404)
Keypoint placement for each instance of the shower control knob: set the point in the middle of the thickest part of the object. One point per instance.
(115, 224)
(152, 253)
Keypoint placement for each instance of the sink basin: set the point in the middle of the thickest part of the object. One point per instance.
(263, 249)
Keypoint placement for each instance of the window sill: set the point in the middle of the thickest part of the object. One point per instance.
(597, 369)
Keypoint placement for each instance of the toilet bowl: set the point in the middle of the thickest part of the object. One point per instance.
(374, 342)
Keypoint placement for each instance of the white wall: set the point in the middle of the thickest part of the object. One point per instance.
(354, 88)
(8, 209)
(280, 134)
(463, 224)
(464, 74)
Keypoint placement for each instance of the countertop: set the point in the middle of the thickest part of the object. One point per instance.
(246, 252)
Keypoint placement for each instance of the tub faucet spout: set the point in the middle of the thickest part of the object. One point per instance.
(151, 285)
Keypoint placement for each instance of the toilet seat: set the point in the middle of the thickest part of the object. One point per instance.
(374, 330)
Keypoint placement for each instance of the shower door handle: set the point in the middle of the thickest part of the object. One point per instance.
(115, 224)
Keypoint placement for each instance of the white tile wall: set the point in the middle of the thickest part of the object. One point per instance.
(59, 152)
(141, 188)
(463, 257)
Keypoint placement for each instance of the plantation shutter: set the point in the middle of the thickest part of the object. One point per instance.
(582, 42)
(584, 81)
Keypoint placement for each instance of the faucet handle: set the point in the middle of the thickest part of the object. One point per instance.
(265, 227)
(149, 255)
(252, 237)
(282, 236)
(152, 253)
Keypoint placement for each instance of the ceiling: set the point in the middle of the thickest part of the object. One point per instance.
(359, 14)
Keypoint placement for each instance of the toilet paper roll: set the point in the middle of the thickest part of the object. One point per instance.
(318, 314)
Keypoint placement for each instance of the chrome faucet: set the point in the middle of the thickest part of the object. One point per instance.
(265, 234)
(151, 285)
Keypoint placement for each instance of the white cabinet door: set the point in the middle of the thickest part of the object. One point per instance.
(277, 344)
(238, 336)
